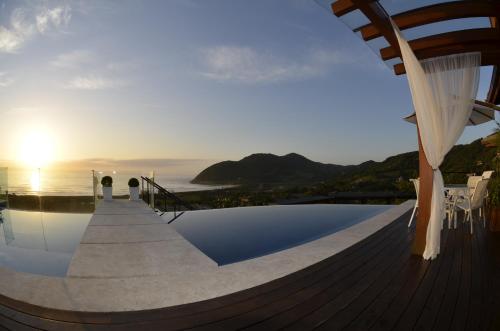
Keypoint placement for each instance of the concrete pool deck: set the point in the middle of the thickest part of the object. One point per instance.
(130, 259)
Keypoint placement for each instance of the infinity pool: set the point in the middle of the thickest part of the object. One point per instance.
(236, 234)
(41, 243)
(44, 243)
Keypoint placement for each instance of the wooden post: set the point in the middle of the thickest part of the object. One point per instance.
(424, 200)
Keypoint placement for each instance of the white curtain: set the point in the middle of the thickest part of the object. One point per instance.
(443, 90)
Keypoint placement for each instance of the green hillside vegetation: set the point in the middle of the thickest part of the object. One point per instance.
(268, 169)
(293, 171)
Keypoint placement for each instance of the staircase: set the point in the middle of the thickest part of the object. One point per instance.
(168, 199)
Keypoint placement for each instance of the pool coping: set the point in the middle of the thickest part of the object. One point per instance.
(190, 277)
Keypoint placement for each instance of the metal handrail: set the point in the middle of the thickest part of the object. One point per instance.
(166, 193)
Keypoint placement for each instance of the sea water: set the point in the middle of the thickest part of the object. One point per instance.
(69, 182)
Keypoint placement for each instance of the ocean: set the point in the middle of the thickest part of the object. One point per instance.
(70, 182)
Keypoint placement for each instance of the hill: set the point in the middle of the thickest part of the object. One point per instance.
(295, 169)
(268, 168)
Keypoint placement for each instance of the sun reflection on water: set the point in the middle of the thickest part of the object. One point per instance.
(35, 181)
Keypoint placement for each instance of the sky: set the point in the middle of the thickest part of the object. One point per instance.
(187, 79)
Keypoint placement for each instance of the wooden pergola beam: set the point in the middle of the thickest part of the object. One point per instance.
(342, 7)
(455, 40)
(487, 104)
(494, 92)
(488, 58)
(379, 17)
(435, 13)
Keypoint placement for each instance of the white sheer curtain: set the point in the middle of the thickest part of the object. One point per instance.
(443, 90)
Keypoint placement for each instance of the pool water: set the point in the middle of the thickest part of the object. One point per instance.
(236, 234)
(44, 243)
(41, 243)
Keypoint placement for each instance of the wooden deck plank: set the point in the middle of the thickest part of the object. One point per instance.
(11, 324)
(494, 241)
(476, 296)
(398, 306)
(409, 317)
(38, 323)
(373, 311)
(492, 281)
(447, 308)
(462, 306)
(433, 303)
(353, 290)
(484, 294)
(376, 308)
(337, 314)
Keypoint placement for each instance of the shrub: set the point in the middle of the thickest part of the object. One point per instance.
(107, 181)
(133, 182)
(494, 191)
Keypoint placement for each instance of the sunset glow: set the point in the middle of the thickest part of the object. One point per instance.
(36, 149)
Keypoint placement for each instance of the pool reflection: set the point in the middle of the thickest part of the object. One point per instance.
(41, 243)
(236, 234)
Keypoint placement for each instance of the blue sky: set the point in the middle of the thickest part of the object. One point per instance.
(200, 80)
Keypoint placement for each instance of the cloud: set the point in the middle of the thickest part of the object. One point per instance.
(94, 82)
(27, 22)
(54, 17)
(5, 80)
(89, 72)
(73, 59)
(247, 65)
(9, 40)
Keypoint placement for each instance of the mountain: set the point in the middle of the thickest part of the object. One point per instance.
(295, 169)
(267, 168)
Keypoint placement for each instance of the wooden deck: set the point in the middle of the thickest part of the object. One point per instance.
(374, 285)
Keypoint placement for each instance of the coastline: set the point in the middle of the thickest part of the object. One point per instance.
(207, 199)
(61, 204)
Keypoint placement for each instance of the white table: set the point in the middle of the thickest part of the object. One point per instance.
(453, 192)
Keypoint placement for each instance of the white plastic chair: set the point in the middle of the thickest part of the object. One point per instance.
(472, 182)
(487, 174)
(449, 205)
(473, 201)
(416, 183)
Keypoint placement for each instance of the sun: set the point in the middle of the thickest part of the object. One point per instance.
(36, 149)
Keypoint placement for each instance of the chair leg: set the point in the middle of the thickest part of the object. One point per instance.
(452, 216)
(471, 221)
(412, 215)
